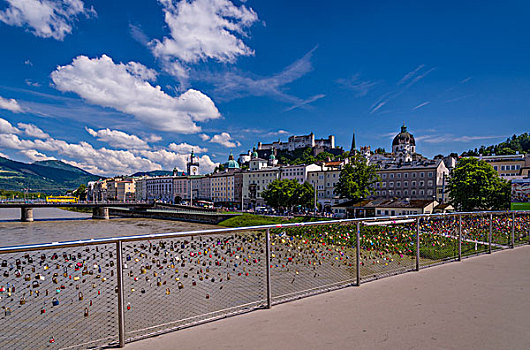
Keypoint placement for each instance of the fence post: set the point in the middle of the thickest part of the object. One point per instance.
(460, 237)
(358, 254)
(490, 233)
(512, 238)
(268, 269)
(417, 244)
(119, 276)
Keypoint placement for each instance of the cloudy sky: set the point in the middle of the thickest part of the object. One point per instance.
(116, 87)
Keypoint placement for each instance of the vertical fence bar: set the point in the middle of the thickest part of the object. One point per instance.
(459, 237)
(490, 233)
(512, 237)
(417, 244)
(358, 254)
(119, 276)
(268, 269)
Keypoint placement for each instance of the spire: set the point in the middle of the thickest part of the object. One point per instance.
(403, 128)
(353, 150)
(231, 156)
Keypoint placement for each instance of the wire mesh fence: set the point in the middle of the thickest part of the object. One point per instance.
(308, 259)
(438, 239)
(89, 294)
(475, 234)
(171, 283)
(387, 248)
(522, 228)
(63, 298)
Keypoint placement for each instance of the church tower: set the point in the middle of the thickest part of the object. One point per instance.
(353, 148)
(193, 165)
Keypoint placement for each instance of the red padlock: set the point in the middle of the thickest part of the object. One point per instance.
(52, 340)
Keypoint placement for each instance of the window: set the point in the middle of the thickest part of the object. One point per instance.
(502, 167)
(378, 212)
(405, 184)
(384, 176)
(422, 183)
(413, 174)
(398, 193)
(398, 184)
(406, 175)
(391, 176)
(430, 174)
(413, 183)
(429, 192)
(406, 192)
(495, 167)
(429, 183)
(422, 174)
(413, 192)
(384, 184)
(421, 192)
(383, 193)
(390, 184)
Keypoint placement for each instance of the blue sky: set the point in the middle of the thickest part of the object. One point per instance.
(116, 87)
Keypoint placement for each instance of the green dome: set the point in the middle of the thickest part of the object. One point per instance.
(272, 157)
(254, 153)
(232, 163)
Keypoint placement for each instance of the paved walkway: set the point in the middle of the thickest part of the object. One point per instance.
(480, 303)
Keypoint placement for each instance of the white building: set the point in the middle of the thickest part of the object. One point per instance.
(295, 142)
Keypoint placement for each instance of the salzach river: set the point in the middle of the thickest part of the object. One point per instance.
(55, 225)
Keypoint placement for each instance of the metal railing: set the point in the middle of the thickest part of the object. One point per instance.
(101, 292)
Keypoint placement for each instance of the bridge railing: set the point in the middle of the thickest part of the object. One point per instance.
(91, 293)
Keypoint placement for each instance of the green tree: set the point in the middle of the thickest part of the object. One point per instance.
(304, 195)
(475, 185)
(356, 179)
(80, 192)
(288, 193)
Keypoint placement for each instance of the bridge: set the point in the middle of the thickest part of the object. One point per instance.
(99, 210)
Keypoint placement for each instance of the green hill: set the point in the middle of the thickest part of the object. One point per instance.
(51, 177)
(512, 145)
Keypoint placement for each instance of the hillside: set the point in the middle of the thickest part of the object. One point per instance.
(512, 145)
(153, 173)
(51, 177)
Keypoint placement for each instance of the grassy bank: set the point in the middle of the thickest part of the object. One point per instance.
(246, 220)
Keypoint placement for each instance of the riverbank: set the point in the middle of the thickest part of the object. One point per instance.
(246, 220)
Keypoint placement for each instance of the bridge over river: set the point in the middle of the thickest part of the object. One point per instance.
(104, 210)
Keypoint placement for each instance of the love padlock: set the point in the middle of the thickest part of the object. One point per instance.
(80, 296)
(159, 282)
(7, 311)
(55, 302)
(168, 291)
(86, 312)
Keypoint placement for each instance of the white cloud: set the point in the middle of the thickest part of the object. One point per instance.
(204, 137)
(186, 148)
(7, 128)
(153, 138)
(125, 87)
(118, 139)
(101, 161)
(35, 156)
(10, 105)
(45, 18)
(361, 87)
(421, 105)
(202, 30)
(305, 102)
(225, 139)
(170, 160)
(233, 85)
(33, 131)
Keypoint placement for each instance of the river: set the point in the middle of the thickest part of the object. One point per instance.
(54, 224)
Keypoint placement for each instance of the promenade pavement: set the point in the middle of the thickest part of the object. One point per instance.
(480, 303)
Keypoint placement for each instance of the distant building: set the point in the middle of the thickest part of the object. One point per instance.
(509, 167)
(296, 142)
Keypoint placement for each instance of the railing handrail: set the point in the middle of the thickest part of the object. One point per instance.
(93, 241)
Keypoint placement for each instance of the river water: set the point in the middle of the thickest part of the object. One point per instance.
(57, 225)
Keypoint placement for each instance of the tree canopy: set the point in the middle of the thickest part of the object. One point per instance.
(288, 193)
(475, 185)
(512, 145)
(356, 179)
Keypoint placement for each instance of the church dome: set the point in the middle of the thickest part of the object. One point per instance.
(232, 163)
(404, 137)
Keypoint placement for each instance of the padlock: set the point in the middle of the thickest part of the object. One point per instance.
(27, 277)
(35, 284)
(55, 302)
(180, 285)
(4, 263)
(159, 282)
(23, 300)
(7, 311)
(43, 310)
(128, 306)
(80, 295)
(6, 273)
(54, 280)
(86, 312)
(168, 291)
